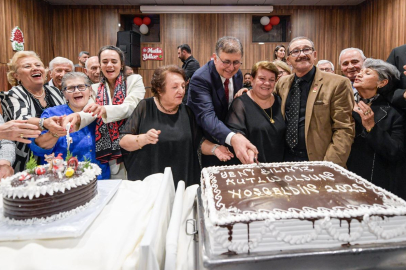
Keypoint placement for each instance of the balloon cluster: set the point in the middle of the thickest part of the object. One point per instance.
(143, 24)
(268, 23)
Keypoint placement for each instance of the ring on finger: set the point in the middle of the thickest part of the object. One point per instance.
(22, 136)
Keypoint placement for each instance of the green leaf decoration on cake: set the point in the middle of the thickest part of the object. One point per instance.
(31, 164)
(68, 155)
(87, 164)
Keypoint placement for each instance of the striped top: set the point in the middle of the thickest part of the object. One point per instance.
(19, 104)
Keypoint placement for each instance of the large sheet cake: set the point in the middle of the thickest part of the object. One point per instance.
(295, 206)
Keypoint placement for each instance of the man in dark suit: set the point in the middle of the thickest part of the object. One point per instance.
(398, 58)
(317, 107)
(190, 65)
(211, 91)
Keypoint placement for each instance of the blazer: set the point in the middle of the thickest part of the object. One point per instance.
(329, 126)
(135, 93)
(208, 102)
(376, 155)
(397, 58)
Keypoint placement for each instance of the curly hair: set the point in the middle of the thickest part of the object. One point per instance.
(12, 65)
(159, 78)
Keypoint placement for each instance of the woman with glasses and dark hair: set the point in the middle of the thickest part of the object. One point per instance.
(113, 101)
(76, 89)
(27, 99)
(279, 53)
(378, 147)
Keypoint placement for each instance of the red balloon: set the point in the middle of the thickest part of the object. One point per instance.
(146, 20)
(274, 20)
(138, 21)
(268, 27)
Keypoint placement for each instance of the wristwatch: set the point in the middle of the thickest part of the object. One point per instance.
(214, 148)
(41, 124)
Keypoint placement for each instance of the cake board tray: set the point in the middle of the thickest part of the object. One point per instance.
(71, 226)
(373, 256)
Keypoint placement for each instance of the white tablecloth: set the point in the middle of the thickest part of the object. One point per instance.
(108, 243)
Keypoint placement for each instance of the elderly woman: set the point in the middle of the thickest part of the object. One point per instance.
(279, 53)
(162, 132)
(379, 127)
(28, 98)
(283, 68)
(113, 101)
(257, 115)
(76, 89)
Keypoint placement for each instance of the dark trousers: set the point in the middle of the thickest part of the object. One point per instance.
(294, 155)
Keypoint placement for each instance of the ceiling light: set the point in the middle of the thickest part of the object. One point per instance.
(206, 9)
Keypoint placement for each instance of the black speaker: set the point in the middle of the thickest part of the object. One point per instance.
(130, 43)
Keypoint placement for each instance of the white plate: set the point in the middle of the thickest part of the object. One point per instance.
(72, 226)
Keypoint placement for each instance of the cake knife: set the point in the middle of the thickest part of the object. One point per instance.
(68, 137)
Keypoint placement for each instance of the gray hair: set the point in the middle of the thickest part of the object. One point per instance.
(385, 70)
(299, 38)
(321, 62)
(60, 60)
(83, 52)
(74, 75)
(351, 49)
(229, 45)
(86, 64)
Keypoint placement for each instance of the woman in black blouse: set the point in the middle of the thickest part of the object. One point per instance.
(28, 98)
(257, 115)
(162, 132)
(378, 146)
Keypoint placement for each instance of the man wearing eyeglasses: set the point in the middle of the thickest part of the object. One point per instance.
(211, 91)
(317, 107)
(326, 66)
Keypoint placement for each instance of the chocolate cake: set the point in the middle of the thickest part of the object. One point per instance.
(292, 206)
(31, 198)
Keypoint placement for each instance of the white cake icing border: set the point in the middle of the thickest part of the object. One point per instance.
(31, 190)
(394, 206)
(228, 217)
(55, 217)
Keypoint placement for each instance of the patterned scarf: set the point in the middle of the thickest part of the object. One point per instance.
(367, 101)
(107, 135)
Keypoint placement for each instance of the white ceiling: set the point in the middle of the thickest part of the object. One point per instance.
(208, 2)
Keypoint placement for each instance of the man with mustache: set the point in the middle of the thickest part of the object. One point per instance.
(317, 107)
(351, 61)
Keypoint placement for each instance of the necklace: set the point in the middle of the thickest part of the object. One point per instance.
(166, 110)
(40, 96)
(270, 118)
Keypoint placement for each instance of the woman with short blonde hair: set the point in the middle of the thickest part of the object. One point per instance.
(28, 98)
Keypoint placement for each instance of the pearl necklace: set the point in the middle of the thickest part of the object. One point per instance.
(40, 96)
(166, 110)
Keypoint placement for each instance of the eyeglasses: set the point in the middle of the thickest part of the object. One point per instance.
(326, 69)
(306, 51)
(228, 63)
(80, 87)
